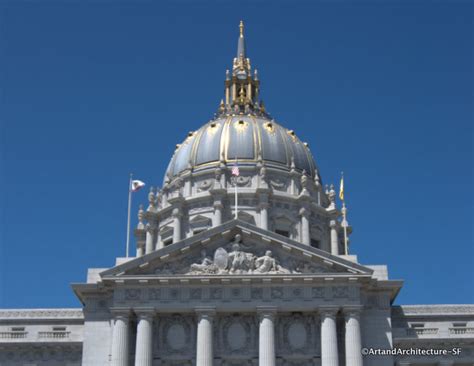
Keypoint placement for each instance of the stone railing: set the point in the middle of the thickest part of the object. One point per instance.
(461, 330)
(57, 334)
(421, 331)
(13, 335)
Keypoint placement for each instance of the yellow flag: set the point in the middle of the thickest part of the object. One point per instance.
(341, 189)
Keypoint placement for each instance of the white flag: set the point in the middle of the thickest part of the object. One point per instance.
(136, 185)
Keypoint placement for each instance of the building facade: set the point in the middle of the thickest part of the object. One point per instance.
(241, 259)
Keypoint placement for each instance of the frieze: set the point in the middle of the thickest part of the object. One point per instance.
(242, 181)
(205, 185)
(132, 294)
(257, 293)
(277, 293)
(340, 292)
(433, 310)
(196, 293)
(216, 293)
(279, 184)
(318, 292)
(154, 294)
(242, 293)
(42, 313)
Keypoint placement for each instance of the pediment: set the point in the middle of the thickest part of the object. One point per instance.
(237, 248)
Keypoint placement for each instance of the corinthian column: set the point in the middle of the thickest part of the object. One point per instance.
(217, 218)
(305, 235)
(334, 238)
(329, 353)
(120, 341)
(264, 215)
(353, 339)
(266, 337)
(144, 352)
(150, 238)
(176, 225)
(204, 352)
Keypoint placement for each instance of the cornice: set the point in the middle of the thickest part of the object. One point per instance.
(41, 314)
(433, 310)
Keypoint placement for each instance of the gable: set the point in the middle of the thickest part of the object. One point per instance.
(237, 248)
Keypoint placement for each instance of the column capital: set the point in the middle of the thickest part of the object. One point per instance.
(205, 312)
(304, 211)
(144, 313)
(333, 224)
(150, 227)
(328, 311)
(120, 313)
(176, 212)
(352, 311)
(266, 312)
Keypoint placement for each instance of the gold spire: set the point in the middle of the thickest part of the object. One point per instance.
(241, 26)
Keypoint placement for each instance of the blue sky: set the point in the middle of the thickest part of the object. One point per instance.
(93, 91)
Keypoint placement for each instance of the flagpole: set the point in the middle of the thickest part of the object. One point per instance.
(128, 216)
(236, 198)
(344, 211)
(346, 252)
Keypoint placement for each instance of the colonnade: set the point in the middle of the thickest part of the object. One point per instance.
(204, 343)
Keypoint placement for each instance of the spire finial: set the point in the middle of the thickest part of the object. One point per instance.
(241, 56)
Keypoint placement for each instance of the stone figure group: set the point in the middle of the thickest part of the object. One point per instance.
(236, 261)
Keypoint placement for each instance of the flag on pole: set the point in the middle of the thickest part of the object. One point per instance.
(235, 170)
(341, 189)
(136, 185)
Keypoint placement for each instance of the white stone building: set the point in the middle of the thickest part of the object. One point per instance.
(270, 285)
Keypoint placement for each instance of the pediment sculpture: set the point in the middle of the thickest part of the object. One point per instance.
(237, 261)
(236, 258)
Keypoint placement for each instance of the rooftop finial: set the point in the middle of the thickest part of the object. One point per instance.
(241, 43)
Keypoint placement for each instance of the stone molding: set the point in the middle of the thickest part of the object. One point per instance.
(437, 310)
(41, 314)
(205, 312)
(264, 312)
